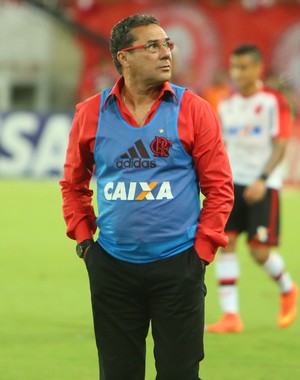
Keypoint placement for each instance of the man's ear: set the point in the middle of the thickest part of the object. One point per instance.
(122, 58)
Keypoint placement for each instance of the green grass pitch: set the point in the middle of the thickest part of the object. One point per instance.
(45, 315)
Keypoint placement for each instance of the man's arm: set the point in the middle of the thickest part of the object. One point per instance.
(280, 135)
(78, 211)
(215, 177)
(257, 190)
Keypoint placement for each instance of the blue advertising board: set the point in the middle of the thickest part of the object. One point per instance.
(33, 144)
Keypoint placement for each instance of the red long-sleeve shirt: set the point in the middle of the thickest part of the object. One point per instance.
(200, 134)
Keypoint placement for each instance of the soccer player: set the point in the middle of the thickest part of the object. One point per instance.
(152, 147)
(255, 123)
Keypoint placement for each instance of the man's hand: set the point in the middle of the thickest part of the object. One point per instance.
(255, 192)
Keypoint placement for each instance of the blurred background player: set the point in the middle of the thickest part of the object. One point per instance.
(256, 123)
(218, 90)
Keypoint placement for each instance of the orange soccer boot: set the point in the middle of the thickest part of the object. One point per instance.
(228, 323)
(288, 310)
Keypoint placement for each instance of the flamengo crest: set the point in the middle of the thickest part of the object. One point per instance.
(160, 146)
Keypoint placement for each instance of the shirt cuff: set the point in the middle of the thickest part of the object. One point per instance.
(83, 231)
(205, 249)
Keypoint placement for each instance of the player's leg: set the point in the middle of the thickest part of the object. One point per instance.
(177, 290)
(228, 271)
(121, 316)
(263, 234)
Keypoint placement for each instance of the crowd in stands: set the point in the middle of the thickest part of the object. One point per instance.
(89, 5)
(99, 72)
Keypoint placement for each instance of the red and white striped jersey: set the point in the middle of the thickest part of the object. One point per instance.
(249, 125)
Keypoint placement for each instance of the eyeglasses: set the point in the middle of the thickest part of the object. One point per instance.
(152, 47)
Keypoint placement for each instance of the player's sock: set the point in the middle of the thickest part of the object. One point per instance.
(275, 267)
(227, 273)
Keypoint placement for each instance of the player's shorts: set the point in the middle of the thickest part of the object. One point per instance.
(260, 221)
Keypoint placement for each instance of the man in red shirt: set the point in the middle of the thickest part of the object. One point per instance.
(153, 147)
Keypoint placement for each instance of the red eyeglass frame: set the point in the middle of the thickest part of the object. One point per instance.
(144, 45)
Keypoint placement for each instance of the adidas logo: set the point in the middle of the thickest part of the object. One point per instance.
(136, 157)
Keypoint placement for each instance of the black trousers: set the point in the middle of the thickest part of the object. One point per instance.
(126, 297)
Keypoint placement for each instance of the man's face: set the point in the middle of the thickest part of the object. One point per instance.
(144, 65)
(244, 71)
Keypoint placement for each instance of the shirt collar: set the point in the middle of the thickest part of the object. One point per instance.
(117, 88)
